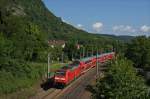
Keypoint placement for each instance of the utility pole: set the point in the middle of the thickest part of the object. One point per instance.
(92, 50)
(62, 57)
(87, 54)
(80, 54)
(83, 52)
(97, 62)
(71, 55)
(48, 67)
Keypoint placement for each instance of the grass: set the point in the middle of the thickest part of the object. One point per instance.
(53, 66)
(23, 87)
(56, 66)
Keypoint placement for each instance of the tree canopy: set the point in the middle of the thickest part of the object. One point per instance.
(25, 28)
(121, 82)
(138, 50)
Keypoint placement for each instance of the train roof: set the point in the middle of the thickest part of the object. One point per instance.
(88, 58)
(76, 63)
(71, 66)
(68, 67)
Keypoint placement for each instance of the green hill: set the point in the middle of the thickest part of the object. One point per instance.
(16, 15)
(25, 28)
(124, 38)
(27, 25)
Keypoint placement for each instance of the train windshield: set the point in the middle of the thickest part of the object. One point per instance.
(60, 73)
(75, 63)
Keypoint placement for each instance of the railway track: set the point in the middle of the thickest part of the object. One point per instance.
(53, 94)
(78, 88)
(74, 90)
(58, 92)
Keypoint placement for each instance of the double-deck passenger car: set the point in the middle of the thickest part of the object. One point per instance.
(68, 73)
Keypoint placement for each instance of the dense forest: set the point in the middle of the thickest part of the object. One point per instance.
(26, 26)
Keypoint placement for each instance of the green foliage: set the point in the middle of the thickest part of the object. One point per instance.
(121, 82)
(25, 28)
(20, 76)
(139, 52)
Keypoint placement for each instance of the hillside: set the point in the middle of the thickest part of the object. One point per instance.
(35, 12)
(17, 14)
(124, 38)
(25, 28)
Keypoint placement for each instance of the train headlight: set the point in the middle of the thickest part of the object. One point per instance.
(62, 78)
(58, 78)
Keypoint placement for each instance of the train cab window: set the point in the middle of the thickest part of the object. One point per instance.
(60, 73)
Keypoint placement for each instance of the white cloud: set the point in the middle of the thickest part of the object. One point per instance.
(122, 28)
(97, 26)
(63, 20)
(145, 28)
(66, 21)
(80, 26)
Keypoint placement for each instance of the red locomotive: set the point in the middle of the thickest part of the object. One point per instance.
(67, 74)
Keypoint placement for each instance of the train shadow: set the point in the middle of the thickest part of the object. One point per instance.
(50, 84)
(47, 84)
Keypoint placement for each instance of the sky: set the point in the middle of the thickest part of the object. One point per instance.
(118, 17)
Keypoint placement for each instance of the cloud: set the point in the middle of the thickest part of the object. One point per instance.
(63, 20)
(122, 28)
(80, 26)
(97, 26)
(66, 21)
(145, 28)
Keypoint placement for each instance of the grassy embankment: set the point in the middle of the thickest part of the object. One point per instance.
(22, 88)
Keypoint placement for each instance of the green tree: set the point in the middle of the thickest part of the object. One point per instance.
(139, 52)
(121, 82)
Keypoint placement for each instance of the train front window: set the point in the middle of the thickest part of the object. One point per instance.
(60, 73)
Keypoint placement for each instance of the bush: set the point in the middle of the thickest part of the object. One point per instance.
(20, 76)
(121, 82)
(138, 50)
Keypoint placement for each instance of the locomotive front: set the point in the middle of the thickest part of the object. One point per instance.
(60, 77)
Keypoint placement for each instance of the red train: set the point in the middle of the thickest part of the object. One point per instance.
(67, 74)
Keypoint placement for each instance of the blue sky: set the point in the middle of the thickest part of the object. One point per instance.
(119, 17)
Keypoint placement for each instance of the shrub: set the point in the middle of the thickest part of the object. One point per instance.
(121, 82)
